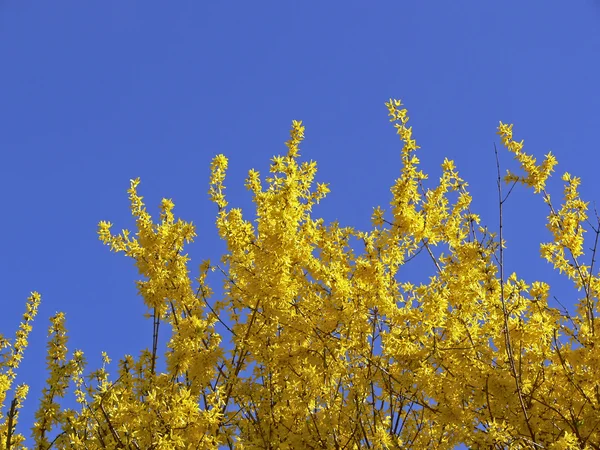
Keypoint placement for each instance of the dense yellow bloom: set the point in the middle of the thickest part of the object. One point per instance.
(323, 343)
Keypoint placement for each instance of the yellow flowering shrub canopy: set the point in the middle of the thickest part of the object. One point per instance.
(318, 343)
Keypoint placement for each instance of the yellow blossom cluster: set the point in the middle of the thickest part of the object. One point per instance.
(322, 342)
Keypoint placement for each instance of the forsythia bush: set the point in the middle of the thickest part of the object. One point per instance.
(317, 343)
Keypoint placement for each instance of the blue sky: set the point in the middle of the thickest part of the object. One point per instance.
(97, 93)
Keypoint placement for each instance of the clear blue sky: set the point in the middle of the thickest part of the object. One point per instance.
(96, 93)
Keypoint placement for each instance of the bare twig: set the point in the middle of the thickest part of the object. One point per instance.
(11, 426)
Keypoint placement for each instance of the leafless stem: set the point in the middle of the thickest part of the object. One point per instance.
(156, 325)
(11, 416)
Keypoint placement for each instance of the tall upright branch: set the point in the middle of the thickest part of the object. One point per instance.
(507, 341)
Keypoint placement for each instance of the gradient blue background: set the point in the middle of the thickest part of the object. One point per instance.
(96, 93)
